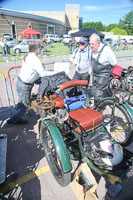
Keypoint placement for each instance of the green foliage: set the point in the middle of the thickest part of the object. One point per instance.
(110, 27)
(94, 25)
(118, 31)
(127, 23)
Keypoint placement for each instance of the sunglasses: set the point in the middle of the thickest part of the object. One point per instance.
(82, 43)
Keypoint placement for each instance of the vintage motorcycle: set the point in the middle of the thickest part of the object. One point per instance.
(123, 84)
(71, 130)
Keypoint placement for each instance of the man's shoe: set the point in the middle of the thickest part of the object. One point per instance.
(21, 121)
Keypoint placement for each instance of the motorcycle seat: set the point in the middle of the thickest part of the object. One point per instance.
(73, 83)
(87, 118)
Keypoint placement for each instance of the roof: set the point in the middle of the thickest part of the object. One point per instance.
(86, 32)
(14, 13)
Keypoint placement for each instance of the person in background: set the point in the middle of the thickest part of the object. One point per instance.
(2, 47)
(6, 47)
(31, 69)
(20, 39)
(102, 61)
(81, 59)
(74, 44)
(70, 46)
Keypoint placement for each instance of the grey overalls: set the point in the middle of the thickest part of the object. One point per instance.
(100, 78)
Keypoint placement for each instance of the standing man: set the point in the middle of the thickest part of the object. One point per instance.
(102, 61)
(81, 59)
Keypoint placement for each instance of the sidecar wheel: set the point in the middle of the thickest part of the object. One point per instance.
(53, 159)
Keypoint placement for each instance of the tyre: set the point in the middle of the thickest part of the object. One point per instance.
(119, 120)
(53, 159)
(17, 51)
(115, 85)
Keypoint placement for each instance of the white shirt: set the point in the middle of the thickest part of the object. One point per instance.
(107, 56)
(2, 44)
(82, 60)
(31, 69)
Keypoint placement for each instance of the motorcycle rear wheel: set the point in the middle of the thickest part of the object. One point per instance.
(53, 159)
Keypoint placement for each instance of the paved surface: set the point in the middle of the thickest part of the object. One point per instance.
(28, 174)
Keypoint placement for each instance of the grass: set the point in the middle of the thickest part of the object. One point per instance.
(57, 49)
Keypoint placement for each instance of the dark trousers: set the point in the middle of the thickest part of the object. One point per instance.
(23, 92)
(6, 50)
(83, 76)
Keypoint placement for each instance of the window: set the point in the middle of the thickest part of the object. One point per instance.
(50, 29)
(13, 30)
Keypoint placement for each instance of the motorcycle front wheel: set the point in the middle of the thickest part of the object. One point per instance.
(53, 159)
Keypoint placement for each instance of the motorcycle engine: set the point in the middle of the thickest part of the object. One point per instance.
(62, 115)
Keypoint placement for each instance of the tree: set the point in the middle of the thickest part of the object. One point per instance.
(110, 27)
(118, 31)
(99, 26)
(94, 25)
(127, 23)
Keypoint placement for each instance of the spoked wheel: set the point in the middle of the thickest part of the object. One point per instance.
(117, 117)
(53, 159)
(115, 85)
(131, 99)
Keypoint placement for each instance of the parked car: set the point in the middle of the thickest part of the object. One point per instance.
(53, 38)
(10, 41)
(108, 41)
(23, 47)
(66, 39)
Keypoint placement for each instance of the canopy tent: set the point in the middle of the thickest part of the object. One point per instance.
(86, 32)
(29, 31)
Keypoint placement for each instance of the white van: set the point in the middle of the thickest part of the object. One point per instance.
(52, 37)
(66, 39)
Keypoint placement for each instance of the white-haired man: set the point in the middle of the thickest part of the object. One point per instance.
(102, 60)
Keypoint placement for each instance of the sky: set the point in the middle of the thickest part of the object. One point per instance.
(106, 11)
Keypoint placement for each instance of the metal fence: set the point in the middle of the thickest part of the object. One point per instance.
(5, 104)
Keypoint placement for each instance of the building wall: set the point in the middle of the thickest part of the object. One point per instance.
(7, 18)
(51, 14)
(70, 17)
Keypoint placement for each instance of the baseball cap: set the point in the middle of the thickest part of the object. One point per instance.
(83, 40)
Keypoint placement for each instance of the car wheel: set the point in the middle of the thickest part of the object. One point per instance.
(17, 51)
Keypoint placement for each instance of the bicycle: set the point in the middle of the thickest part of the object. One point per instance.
(122, 86)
